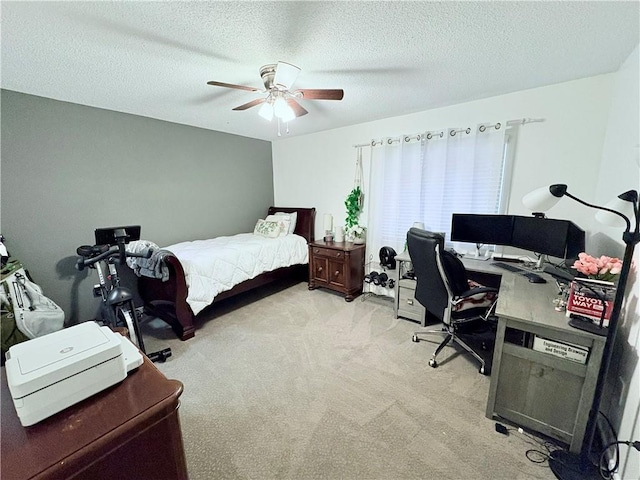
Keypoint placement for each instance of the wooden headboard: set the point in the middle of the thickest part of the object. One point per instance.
(305, 224)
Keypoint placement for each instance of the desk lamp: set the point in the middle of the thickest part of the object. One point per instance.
(565, 465)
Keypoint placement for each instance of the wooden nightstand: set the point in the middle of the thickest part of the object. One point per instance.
(338, 266)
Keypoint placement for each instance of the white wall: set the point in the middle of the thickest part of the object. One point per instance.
(565, 148)
(619, 172)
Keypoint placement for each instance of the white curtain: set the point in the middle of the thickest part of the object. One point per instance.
(427, 177)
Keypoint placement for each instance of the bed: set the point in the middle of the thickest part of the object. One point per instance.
(168, 300)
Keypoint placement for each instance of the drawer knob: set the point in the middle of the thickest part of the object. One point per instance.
(339, 254)
(316, 251)
(337, 273)
(410, 301)
(319, 269)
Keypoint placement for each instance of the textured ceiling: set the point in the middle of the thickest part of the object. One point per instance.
(391, 58)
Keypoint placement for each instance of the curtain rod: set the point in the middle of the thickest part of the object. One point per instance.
(517, 121)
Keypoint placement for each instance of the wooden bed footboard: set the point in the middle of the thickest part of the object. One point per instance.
(168, 300)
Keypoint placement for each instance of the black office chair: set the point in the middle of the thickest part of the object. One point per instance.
(443, 288)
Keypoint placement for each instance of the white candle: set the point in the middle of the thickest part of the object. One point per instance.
(339, 234)
(328, 222)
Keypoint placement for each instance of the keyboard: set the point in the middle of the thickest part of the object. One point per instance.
(507, 266)
(533, 277)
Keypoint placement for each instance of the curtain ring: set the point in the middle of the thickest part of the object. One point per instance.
(498, 125)
(429, 136)
(482, 128)
(468, 131)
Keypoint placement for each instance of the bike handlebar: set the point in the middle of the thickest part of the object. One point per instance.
(90, 255)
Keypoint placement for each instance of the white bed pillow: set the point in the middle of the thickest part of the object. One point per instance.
(283, 220)
(293, 216)
(267, 229)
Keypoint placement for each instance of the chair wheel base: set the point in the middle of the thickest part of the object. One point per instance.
(433, 363)
(415, 338)
(482, 370)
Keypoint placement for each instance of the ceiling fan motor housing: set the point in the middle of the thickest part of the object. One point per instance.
(268, 73)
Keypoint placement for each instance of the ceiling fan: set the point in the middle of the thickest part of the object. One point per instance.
(281, 100)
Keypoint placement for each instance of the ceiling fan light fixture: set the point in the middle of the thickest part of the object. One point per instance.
(286, 74)
(282, 110)
(266, 111)
(288, 114)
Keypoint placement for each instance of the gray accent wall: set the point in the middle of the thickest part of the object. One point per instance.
(67, 169)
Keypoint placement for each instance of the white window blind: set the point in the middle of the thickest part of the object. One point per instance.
(430, 178)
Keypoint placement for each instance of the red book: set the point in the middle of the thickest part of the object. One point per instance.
(585, 299)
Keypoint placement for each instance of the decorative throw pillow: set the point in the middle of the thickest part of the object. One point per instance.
(283, 220)
(267, 229)
(293, 216)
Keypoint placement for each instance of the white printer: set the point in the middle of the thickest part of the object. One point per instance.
(50, 373)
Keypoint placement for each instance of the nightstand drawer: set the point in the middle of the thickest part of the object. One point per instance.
(327, 252)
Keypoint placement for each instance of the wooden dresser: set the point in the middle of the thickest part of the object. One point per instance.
(129, 430)
(338, 266)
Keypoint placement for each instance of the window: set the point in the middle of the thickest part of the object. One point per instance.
(428, 177)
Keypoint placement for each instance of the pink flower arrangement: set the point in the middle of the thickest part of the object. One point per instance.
(603, 268)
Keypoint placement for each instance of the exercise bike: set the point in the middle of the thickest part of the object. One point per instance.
(117, 306)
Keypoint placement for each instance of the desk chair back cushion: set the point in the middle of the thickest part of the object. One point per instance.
(430, 290)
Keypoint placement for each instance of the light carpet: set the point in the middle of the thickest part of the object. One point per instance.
(296, 384)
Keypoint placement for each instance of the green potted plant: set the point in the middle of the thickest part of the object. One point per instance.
(354, 231)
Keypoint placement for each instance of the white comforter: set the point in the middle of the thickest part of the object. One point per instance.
(218, 264)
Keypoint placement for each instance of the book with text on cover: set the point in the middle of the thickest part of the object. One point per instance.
(586, 299)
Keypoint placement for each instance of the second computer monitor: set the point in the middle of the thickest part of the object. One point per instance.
(548, 236)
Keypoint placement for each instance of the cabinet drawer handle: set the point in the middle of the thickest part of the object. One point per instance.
(338, 254)
(410, 301)
(319, 269)
(337, 273)
(316, 251)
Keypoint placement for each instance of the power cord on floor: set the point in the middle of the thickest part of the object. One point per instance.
(605, 471)
(543, 449)
(541, 456)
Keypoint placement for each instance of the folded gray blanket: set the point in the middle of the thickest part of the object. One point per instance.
(154, 266)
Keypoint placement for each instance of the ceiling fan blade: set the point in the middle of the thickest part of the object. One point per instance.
(319, 94)
(298, 109)
(231, 85)
(250, 104)
(286, 74)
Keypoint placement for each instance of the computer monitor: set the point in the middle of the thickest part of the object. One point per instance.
(107, 236)
(481, 228)
(548, 236)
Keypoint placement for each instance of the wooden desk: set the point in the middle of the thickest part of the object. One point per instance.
(534, 389)
(130, 430)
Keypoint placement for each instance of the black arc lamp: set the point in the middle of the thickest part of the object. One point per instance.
(566, 465)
